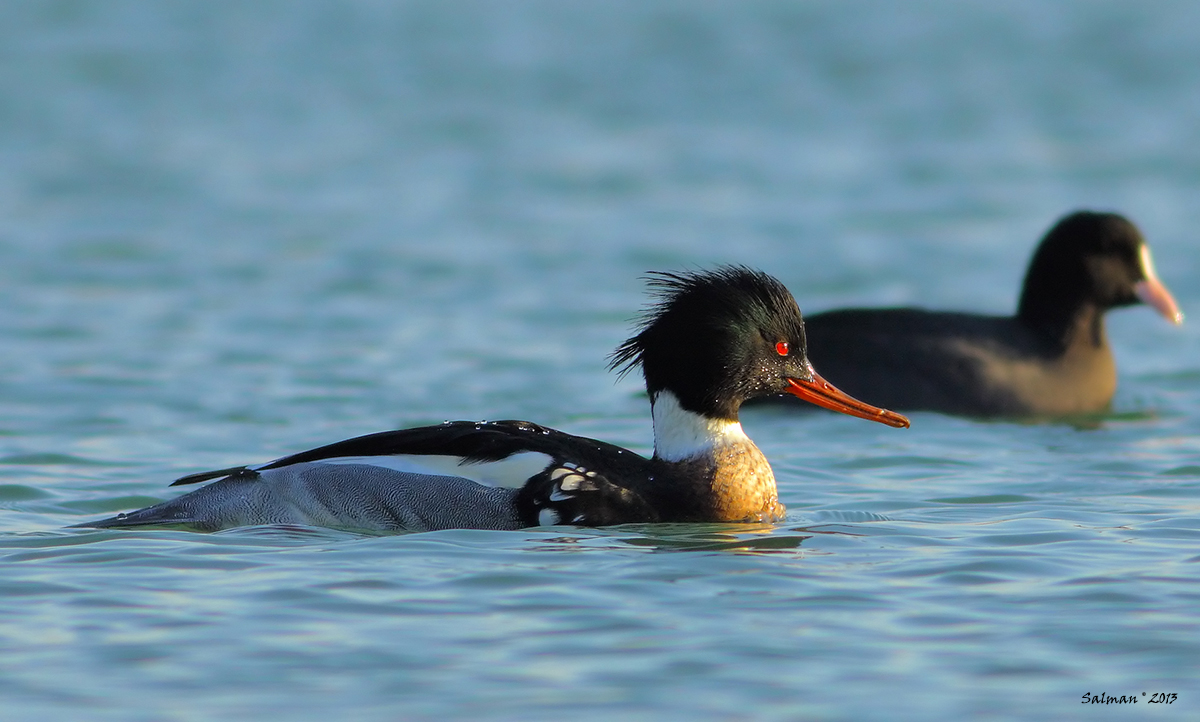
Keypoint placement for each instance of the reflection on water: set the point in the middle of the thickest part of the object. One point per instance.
(755, 538)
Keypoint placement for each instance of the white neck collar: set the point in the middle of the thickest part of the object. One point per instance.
(680, 434)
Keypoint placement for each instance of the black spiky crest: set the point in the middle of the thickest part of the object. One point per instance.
(711, 338)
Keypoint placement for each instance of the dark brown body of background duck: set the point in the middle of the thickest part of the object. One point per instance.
(1051, 359)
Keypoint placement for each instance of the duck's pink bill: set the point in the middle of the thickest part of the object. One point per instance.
(1153, 293)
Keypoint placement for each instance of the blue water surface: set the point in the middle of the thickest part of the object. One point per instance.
(230, 231)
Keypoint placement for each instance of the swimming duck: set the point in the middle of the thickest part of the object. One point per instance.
(1051, 359)
(712, 340)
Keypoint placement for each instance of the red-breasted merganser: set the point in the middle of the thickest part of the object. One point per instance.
(1051, 359)
(713, 340)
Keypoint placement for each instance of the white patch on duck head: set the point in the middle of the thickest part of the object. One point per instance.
(680, 434)
(1152, 292)
(1147, 263)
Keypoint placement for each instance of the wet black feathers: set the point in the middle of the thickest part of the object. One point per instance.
(730, 298)
(710, 338)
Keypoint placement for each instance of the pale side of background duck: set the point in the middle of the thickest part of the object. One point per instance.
(1051, 359)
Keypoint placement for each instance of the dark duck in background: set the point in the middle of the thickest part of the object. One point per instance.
(1051, 359)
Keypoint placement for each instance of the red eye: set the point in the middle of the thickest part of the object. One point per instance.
(781, 348)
